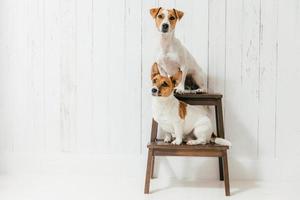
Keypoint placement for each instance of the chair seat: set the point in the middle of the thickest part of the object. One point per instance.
(160, 145)
(199, 96)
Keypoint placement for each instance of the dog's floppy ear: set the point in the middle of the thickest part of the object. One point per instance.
(154, 11)
(176, 78)
(179, 14)
(154, 70)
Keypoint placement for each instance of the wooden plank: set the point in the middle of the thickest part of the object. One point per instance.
(131, 82)
(68, 75)
(52, 76)
(249, 94)
(29, 65)
(175, 152)
(232, 74)
(200, 96)
(242, 69)
(267, 79)
(116, 57)
(85, 71)
(168, 146)
(149, 47)
(217, 42)
(100, 124)
(117, 61)
(288, 132)
(8, 78)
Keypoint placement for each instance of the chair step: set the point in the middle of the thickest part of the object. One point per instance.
(199, 96)
(162, 145)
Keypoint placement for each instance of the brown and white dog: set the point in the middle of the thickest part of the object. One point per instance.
(172, 54)
(176, 117)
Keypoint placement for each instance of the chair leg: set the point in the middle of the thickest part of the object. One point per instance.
(220, 133)
(226, 175)
(148, 172)
(152, 165)
(221, 169)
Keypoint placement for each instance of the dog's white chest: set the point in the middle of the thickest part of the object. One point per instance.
(165, 114)
(164, 121)
(170, 62)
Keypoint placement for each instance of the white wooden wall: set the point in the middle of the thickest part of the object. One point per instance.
(74, 83)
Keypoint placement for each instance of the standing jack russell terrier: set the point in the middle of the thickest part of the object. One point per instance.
(177, 117)
(173, 54)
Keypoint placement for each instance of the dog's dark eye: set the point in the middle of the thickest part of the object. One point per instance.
(160, 16)
(172, 18)
(164, 84)
(154, 81)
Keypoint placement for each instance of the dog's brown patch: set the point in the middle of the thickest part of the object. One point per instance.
(173, 16)
(159, 18)
(182, 109)
(179, 14)
(154, 11)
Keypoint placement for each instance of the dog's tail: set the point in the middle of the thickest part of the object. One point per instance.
(220, 141)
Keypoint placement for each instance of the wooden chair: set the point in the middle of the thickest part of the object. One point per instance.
(157, 147)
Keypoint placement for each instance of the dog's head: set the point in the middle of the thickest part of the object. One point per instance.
(166, 19)
(163, 86)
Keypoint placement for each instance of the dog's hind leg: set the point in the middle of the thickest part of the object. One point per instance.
(180, 88)
(202, 133)
(199, 79)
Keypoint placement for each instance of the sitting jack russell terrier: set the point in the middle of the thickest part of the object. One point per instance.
(176, 117)
(173, 54)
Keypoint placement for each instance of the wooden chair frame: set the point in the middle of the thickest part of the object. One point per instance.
(159, 148)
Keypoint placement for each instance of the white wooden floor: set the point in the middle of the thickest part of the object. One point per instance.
(64, 187)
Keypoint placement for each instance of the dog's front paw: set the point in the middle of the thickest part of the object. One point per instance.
(167, 139)
(190, 142)
(195, 142)
(198, 91)
(177, 141)
(181, 91)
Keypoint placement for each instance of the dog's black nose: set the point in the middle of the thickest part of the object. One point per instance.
(165, 27)
(154, 90)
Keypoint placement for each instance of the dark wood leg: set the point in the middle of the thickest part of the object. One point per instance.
(217, 108)
(219, 120)
(226, 175)
(221, 169)
(220, 133)
(148, 172)
(153, 131)
(152, 165)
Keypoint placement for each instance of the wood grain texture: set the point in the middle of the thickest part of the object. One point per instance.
(217, 48)
(268, 57)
